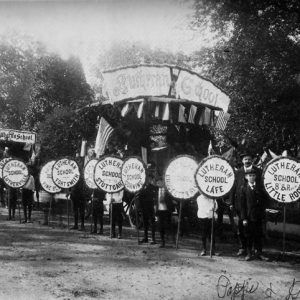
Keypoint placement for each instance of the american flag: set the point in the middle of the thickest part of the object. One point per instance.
(104, 132)
(222, 120)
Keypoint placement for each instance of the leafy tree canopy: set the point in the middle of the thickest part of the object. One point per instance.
(257, 63)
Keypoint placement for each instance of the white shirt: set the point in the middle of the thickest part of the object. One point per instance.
(205, 207)
(29, 185)
(161, 199)
(248, 168)
(115, 197)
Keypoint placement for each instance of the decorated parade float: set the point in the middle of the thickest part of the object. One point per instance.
(156, 119)
(159, 112)
(163, 111)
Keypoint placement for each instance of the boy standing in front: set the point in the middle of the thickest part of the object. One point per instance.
(253, 205)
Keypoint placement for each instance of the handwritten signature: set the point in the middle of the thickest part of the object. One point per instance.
(234, 290)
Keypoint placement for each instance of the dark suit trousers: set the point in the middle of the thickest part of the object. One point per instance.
(254, 233)
(241, 233)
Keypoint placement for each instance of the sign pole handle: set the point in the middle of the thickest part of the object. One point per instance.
(179, 223)
(284, 221)
(18, 205)
(49, 212)
(111, 213)
(68, 214)
(92, 211)
(212, 228)
(137, 218)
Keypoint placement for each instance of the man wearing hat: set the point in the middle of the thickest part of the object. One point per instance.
(253, 205)
(235, 196)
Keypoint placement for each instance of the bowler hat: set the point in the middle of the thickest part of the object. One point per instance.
(250, 171)
(246, 153)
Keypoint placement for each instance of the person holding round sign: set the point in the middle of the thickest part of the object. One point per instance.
(164, 209)
(146, 198)
(253, 205)
(235, 196)
(27, 197)
(115, 201)
(205, 208)
(78, 196)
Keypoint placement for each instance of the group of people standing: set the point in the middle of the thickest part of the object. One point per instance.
(27, 198)
(152, 202)
(247, 200)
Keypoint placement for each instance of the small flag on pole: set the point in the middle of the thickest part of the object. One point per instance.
(181, 116)
(140, 110)
(104, 132)
(273, 155)
(222, 120)
(166, 115)
(262, 160)
(210, 150)
(205, 118)
(156, 112)
(125, 110)
(193, 111)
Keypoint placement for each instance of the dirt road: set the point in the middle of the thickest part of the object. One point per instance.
(41, 262)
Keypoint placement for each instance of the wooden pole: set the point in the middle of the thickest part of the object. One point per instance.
(18, 206)
(68, 214)
(111, 212)
(92, 211)
(212, 229)
(49, 213)
(137, 218)
(179, 223)
(283, 233)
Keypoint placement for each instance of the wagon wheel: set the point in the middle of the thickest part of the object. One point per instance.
(132, 215)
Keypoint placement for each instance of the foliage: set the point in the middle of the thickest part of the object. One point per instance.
(17, 68)
(58, 83)
(257, 65)
(41, 92)
(63, 130)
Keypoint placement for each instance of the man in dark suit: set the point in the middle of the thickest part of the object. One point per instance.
(147, 198)
(235, 196)
(253, 205)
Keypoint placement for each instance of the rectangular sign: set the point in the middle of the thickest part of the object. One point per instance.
(133, 82)
(194, 88)
(17, 136)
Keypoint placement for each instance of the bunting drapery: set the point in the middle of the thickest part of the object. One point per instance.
(178, 113)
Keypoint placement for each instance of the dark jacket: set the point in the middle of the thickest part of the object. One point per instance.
(253, 203)
(240, 181)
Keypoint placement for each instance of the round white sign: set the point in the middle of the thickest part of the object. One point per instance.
(2, 163)
(108, 174)
(281, 179)
(179, 177)
(46, 178)
(65, 173)
(215, 176)
(88, 173)
(15, 173)
(133, 174)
